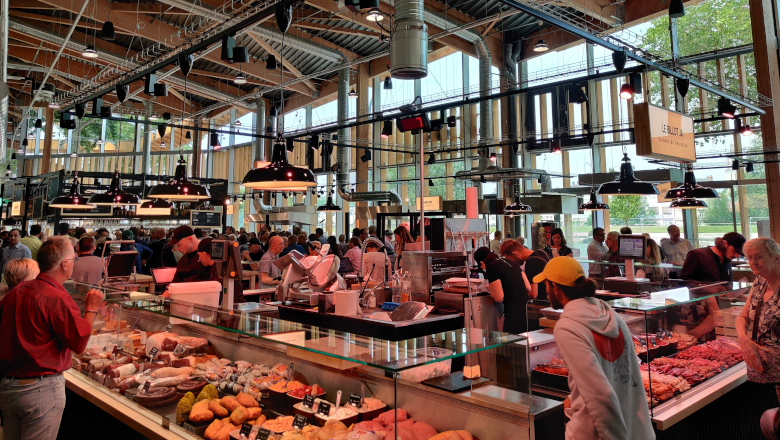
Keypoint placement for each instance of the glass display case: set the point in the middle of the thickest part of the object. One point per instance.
(684, 338)
(277, 363)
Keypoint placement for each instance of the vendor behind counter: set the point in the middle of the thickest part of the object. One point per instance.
(189, 269)
(204, 253)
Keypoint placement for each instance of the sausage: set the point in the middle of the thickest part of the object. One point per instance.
(170, 372)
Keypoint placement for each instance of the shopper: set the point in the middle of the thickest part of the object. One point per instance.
(372, 231)
(402, 238)
(204, 255)
(363, 235)
(355, 255)
(143, 252)
(535, 265)
(162, 254)
(607, 396)
(596, 249)
(713, 263)
(495, 243)
(334, 247)
(294, 244)
(611, 270)
(557, 247)
(270, 275)
(87, 268)
(63, 229)
(675, 248)
(343, 244)
(652, 258)
(20, 270)
(389, 248)
(758, 329)
(14, 250)
(321, 236)
(41, 325)
(625, 230)
(520, 240)
(189, 268)
(34, 240)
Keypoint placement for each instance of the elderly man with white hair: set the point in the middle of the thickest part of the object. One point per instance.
(41, 325)
(270, 275)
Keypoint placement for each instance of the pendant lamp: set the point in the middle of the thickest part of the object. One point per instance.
(517, 207)
(115, 196)
(180, 188)
(154, 207)
(593, 204)
(627, 184)
(279, 175)
(74, 199)
(688, 204)
(690, 189)
(329, 206)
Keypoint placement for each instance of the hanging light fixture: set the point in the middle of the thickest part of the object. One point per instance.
(690, 189)
(593, 204)
(626, 91)
(38, 123)
(237, 123)
(31, 136)
(388, 83)
(25, 142)
(100, 141)
(154, 207)
(431, 159)
(74, 199)
(163, 144)
(188, 135)
(353, 94)
(540, 46)
(89, 52)
(270, 63)
(54, 105)
(387, 129)
(726, 108)
(555, 148)
(746, 130)
(115, 196)
(74, 155)
(748, 167)
(329, 206)
(279, 175)
(676, 9)
(627, 184)
(375, 15)
(735, 165)
(240, 79)
(179, 188)
(517, 207)
(688, 204)
(108, 33)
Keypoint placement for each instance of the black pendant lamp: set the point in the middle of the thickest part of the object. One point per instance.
(115, 196)
(676, 9)
(329, 206)
(517, 207)
(627, 184)
(38, 123)
(690, 189)
(154, 207)
(593, 204)
(74, 199)
(107, 32)
(279, 175)
(688, 204)
(180, 188)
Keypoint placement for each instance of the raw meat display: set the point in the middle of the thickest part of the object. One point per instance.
(555, 366)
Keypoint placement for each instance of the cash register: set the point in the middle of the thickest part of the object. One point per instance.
(630, 248)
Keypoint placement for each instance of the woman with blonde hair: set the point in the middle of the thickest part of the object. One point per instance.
(653, 258)
(20, 270)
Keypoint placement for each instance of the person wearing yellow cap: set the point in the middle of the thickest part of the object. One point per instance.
(607, 395)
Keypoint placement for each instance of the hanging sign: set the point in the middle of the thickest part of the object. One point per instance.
(432, 203)
(663, 134)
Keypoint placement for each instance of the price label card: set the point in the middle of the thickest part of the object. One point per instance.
(179, 350)
(143, 338)
(170, 326)
(308, 401)
(147, 385)
(324, 409)
(246, 428)
(263, 434)
(355, 399)
(153, 353)
(299, 422)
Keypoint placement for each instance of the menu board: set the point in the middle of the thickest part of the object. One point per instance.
(98, 211)
(205, 219)
(37, 208)
(53, 189)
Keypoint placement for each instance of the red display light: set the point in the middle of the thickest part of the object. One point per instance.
(414, 122)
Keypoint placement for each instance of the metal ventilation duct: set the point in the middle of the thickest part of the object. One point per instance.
(409, 44)
(3, 73)
(497, 174)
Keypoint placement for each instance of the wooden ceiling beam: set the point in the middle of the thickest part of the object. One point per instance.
(336, 29)
(83, 23)
(285, 62)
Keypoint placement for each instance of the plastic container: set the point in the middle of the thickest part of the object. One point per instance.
(347, 302)
(430, 371)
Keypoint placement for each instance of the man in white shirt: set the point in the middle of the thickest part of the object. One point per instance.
(675, 248)
(87, 268)
(15, 250)
(495, 244)
(596, 249)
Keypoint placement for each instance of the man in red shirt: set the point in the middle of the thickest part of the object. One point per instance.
(41, 325)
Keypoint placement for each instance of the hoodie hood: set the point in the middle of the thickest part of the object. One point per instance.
(594, 314)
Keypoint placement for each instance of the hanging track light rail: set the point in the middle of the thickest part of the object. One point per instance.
(745, 101)
(205, 44)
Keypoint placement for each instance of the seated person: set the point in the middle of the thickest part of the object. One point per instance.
(87, 268)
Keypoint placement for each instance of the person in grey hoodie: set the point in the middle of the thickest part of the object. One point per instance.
(608, 399)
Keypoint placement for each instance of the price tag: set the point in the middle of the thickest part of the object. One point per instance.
(324, 409)
(143, 338)
(355, 399)
(170, 326)
(246, 428)
(153, 353)
(299, 422)
(179, 350)
(115, 351)
(263, 434)
(147, 385)
(308, 401)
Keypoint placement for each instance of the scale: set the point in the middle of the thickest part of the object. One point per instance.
(630, 247)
